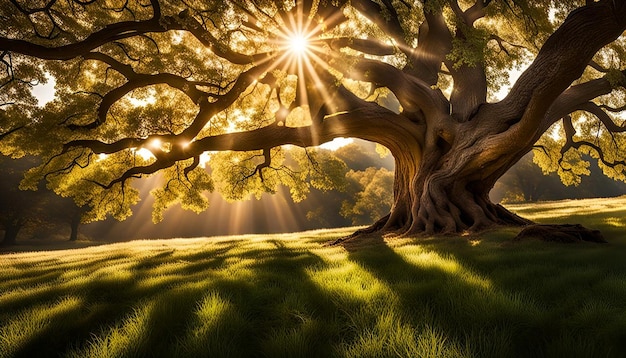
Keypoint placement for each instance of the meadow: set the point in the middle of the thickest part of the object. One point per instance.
(289, 295)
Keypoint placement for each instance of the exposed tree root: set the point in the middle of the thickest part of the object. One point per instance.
(567, 233)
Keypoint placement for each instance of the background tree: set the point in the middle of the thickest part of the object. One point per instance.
(64, 212)
(370, 195)
(159, 86)
(32, 209)
(18, 208)
(525, 182)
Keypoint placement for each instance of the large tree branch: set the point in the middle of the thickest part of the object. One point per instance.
(470, 80)
(434, 43)
(135, 81)
(413, 94)
(572, 99)
(140, 81)
(575, 98)
(606, 120)
(128, 29)
(109, 33)
(561, 60)
(206, 109)
(383, 15)
(366, 122)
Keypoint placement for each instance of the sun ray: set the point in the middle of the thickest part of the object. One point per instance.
(300, 43)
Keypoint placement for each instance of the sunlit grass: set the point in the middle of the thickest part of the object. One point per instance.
(289, 296)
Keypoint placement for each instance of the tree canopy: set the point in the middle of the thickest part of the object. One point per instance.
(232, 96)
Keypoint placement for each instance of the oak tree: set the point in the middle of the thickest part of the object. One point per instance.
(232, 95)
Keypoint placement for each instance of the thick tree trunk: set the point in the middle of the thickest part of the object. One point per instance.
(444, 189)
(446, 198)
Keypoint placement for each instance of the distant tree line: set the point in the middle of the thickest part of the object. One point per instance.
(525, 182)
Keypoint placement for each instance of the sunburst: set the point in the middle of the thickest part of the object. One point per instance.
(302, 49)
(298, 44)
(302, 46)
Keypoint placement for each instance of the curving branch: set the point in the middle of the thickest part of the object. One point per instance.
(502, 42)
(573, 98)
(11, 131)
(267, 162)
(366, 122)
(604, 118)
(192, 166)
(413, 94)
(570, 143)
(135, 172)
(613, 109)
(109, 33)
(127, 29)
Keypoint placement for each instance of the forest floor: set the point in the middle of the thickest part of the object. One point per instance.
(289, 295)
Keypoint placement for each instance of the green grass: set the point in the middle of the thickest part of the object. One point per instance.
(290, 296)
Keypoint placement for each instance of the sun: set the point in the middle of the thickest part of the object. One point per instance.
(298, 44)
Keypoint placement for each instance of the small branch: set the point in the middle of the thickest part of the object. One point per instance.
(570, 131)
(501, 42)
(596, 66)
(613, 109)
(194, 165)
(603, 117)
(11, 131)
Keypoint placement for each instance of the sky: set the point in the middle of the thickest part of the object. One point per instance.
(44, 92)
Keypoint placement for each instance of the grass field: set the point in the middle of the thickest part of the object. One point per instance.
(290, 296)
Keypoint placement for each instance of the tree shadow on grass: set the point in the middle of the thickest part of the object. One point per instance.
(477, 308)
(268, 301)
(105, 301)
(273, 306)
(263, 297)
(285, 298)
